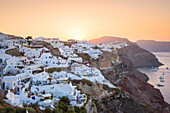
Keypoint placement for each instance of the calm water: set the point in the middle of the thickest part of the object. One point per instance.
(163, 57)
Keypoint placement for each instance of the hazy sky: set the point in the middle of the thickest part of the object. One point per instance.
(87, 19)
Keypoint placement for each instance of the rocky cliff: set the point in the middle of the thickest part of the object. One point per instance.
(139, 57)
(132, 95)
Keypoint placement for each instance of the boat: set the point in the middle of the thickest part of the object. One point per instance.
(160, 85)
(167, 67)
(161, 77)
(163, 73)
(162, 80)
(154, 69)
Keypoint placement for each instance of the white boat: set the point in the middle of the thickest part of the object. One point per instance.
(160, 85)
(161, 77)
(154, 69)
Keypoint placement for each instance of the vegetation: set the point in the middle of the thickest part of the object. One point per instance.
(65, 100)
(56, 49)
(26, 89)
(30, 110)
(42, 68)
(28, 37)
(142, 104)
(12, 110)
(34, 106)
(48, 110)
(62, 107)
(96, 47)
(7, 110)
(106, 87)
(20, 110)
(51, 70)
(80, 110)
(57, 110)
(84, 81)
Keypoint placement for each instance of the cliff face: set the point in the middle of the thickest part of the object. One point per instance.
(139, 56)
(134, 94)
(142, 91)
(145, 94)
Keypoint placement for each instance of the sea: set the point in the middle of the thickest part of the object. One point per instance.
(154, 74)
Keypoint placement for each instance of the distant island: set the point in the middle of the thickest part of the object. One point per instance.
(154, 46)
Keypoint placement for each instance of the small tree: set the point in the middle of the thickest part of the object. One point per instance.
(28, 37)
(65, 100)
(62, 106)
(26, 89)
(57, 110)
(48, 110)
(20, 110)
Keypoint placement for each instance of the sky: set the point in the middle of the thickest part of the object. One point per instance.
(87, 19)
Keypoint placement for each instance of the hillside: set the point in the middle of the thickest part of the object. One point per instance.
(154, 46)
(108, 39)
(138, 56)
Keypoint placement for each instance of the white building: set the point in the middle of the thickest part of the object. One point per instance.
(3, 41)
(12, 64)
(57, 44)
(60, 90)
(53, 61)
(41, 78)
(117, 45)
(10, 82)
(39, 38)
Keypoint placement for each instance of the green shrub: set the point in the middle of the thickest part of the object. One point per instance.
(65, 100)
(7, 110)
(62, 106)
(80, 110)
(57, 110)
(42, 68)
(30, 110)
(48, 110)
(20, 110)
(26, 89)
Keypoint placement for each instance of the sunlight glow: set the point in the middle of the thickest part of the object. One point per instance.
(76, 33)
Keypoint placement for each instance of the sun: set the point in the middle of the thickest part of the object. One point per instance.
(76, 33)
